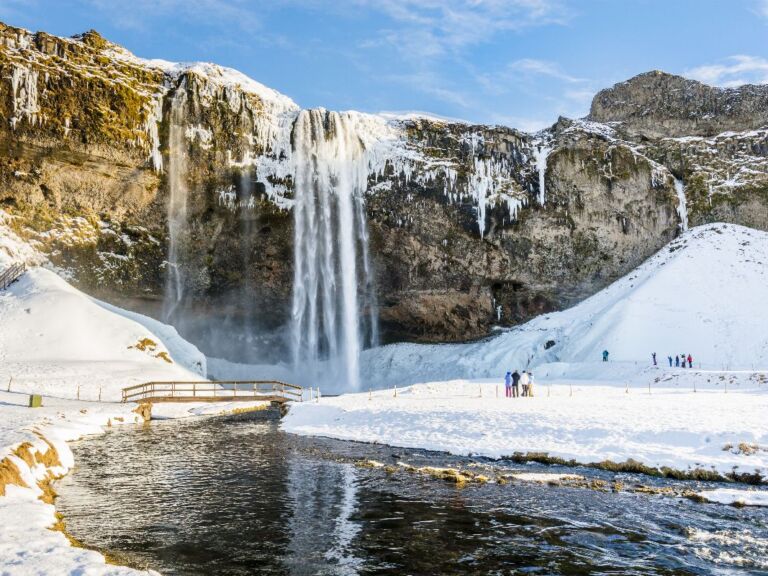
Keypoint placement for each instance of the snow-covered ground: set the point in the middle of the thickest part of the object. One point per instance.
(587, 421)
(703, 295)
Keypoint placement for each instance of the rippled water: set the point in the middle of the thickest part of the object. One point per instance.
(234, 496)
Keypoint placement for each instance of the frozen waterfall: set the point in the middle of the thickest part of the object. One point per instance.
(682, 206)
(333, 310)
(177, 203)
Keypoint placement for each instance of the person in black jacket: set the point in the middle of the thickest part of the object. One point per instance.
(515, 384)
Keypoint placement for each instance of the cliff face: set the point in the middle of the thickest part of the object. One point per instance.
(469, 227)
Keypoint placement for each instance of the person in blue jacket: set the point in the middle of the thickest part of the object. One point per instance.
(508, 384)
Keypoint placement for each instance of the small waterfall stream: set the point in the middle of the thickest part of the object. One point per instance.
(177, 203)
(330, 246)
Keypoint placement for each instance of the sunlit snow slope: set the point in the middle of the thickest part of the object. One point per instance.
(54, 339)
(703, 294)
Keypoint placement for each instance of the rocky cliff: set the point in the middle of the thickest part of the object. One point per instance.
(468, 227)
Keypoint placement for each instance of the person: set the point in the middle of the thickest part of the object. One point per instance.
(508, 384)
(682, 359)
(690, 361)
(515, 380)
(525, 380)
(654, 358)
(530, 384)
(670, 361)
(605, 355)
(677, 361)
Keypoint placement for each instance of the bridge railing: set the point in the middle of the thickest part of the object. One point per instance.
(11, 274)
(208, 390)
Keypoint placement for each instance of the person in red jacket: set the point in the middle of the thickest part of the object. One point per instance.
(690, 361)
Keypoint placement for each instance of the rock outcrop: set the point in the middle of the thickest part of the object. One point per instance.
(470, 227)
(658, 105)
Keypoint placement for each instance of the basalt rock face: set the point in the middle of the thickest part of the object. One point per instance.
(470, 227)
(657, 105)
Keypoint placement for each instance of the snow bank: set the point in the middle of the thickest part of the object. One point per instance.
(735, 496)
(57, 341)
(702, 295)
(590, 422)
(34, 443)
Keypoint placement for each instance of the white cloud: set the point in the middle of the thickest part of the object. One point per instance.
(430, 28)
(533, 67)
(732, 71)
(761, 8)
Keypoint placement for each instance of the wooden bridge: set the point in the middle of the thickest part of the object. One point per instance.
(206, 391)
(11, 274)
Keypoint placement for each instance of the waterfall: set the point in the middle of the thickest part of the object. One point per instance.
(540, 154)
(682, 206)
(330, 246)
(177, 202)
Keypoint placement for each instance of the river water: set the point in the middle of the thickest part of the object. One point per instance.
(234, 496)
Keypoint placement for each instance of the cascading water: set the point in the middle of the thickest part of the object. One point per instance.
(177, 203)
(682, 207)
(330, 245)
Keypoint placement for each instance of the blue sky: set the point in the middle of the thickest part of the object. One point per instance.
(515, 62)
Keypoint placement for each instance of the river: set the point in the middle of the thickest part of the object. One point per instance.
(235, 495)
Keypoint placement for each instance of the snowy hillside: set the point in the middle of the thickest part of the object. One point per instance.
(55, 340)
(702, 295)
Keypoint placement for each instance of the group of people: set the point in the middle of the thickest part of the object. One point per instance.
(677, 360)
(514, 380)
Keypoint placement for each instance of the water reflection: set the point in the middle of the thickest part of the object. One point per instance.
(235, 496)
(324, 498)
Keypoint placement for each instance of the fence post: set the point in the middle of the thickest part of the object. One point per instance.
(649, 386)
(570, 384)
(497, 390)
(480, 386)
(395, 391)
(626, 388)
(99, 393)
(9, 383)
(370, 396)
(78, 392)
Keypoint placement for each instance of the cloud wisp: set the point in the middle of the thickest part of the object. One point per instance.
(732, 71)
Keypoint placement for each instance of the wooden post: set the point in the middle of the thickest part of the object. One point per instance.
(99, 393)
(9, 383)
(649, 386)
(78, 392)
(570, 384)
(481, 389)
(497, 390)
(370, 396)
(626, 388)
(395, 391)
